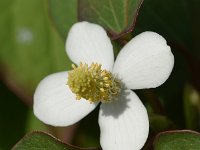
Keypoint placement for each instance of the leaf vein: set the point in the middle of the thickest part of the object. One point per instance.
(100, 17)
(114, 15)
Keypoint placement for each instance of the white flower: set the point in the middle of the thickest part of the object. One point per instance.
(145, 62)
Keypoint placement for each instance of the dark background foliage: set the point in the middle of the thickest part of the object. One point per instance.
(32, 38)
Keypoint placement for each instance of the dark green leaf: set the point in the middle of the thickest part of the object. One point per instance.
(63, 14)
(41, 141)
(177, 140)
(117, 16)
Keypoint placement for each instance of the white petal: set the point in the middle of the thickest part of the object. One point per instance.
(124, 123)
(89, 43)
(145, 62)
(55, 104)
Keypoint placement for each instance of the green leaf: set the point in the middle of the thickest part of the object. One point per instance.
(177, 140)
(41, 140)
(191, 107)
(30, 47)
(63, 14)
(117, 16)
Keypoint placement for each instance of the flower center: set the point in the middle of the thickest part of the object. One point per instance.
(92, 83)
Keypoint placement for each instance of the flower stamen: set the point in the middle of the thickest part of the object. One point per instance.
(92, 83)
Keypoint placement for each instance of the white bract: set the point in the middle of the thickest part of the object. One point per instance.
(145, 62)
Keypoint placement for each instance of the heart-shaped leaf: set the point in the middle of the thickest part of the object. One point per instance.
(41, 140)
(117, 16)
(177, 140)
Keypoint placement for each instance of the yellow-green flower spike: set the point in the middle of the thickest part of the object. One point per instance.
(92, 83)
